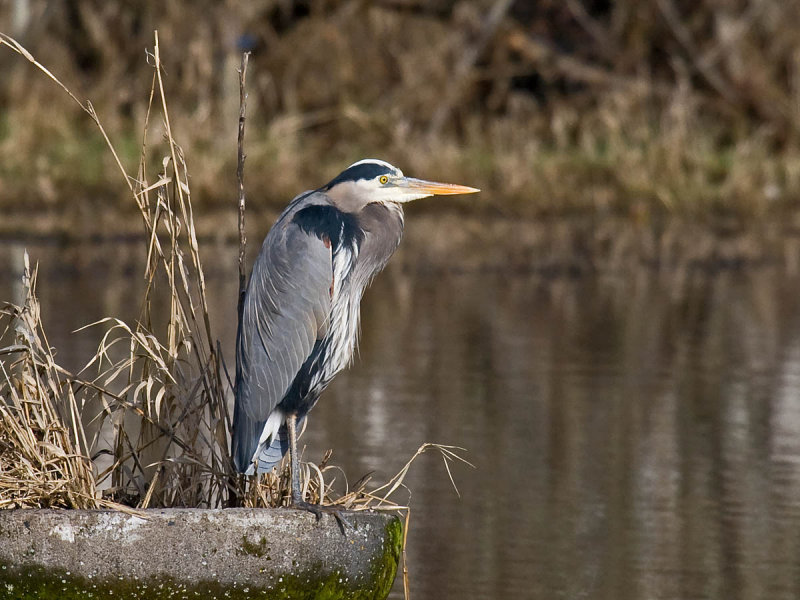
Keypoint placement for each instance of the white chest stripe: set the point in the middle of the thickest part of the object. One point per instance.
(344, 316)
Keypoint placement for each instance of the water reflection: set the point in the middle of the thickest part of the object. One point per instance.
(635, 436)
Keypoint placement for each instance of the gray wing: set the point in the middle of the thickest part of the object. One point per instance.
(286, 309)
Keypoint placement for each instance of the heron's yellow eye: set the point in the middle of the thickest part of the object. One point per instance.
(384, 179)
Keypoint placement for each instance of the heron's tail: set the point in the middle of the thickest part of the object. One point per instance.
(270, 453)
(246, 433)
(253, 443)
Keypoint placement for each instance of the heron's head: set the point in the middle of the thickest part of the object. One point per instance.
(373, 180)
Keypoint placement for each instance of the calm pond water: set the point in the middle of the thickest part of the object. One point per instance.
(634, 436)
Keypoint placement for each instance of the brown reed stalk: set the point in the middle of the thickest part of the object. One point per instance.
(44, 458)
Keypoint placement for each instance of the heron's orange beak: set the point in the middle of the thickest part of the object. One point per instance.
(438, 189)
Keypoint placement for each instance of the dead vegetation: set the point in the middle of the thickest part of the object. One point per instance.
(44, 459)
(147, 422)
(152, 412)
(673, 107)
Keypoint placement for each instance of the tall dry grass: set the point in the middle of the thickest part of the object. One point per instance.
(155, 386)
(44, 453)
(146, 422)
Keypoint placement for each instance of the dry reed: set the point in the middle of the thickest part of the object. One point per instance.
(43, 454)
(152, 403)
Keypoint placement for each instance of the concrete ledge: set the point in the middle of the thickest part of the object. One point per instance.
(193, 553)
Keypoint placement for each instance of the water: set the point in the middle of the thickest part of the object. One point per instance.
(633, 436)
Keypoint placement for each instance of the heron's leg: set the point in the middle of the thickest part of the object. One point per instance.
(291, 425)
(297, 501)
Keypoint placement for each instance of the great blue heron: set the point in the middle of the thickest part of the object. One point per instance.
(299, 322)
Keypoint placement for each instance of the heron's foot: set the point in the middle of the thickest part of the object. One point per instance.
(318, 510)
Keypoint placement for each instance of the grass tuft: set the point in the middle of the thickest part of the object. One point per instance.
(44, 457)
(146, 423)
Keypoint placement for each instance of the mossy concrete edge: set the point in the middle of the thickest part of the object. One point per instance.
(180, 553)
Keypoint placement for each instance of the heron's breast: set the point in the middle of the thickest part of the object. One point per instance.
(342, 334)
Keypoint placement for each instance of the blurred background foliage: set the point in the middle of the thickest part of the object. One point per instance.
(631, 108)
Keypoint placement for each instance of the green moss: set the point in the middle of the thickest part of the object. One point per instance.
(315, 583)
(385, 571)
(38, 583)
(251, 549)
(337, 585)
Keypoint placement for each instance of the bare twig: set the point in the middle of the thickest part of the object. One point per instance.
(240, 177)
(465, 65)
(603, 42)
(236, 491)
(552, 63)
(406, 583)
(714, 78)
